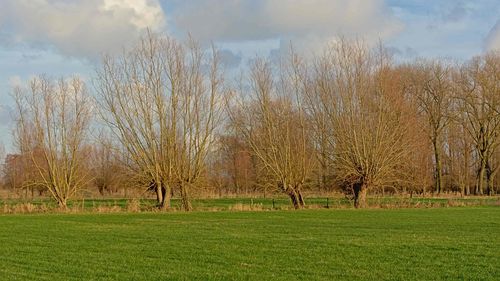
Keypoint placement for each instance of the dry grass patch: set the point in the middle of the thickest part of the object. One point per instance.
(133, 206)
(246, 207)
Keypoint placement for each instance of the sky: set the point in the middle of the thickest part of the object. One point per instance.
(68, 37)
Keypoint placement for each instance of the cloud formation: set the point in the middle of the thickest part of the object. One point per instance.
(78, 28)
(305, 20)
(229, 59)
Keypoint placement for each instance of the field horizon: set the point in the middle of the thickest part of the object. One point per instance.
(103, 204)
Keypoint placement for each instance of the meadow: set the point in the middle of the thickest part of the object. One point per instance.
(458, 243)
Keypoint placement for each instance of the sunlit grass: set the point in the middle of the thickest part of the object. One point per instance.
(402, 244)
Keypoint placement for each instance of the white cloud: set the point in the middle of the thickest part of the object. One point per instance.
(79, 28)
(297, 20)
(493, 39)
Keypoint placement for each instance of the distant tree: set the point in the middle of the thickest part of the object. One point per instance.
(479, 98)
(460, 154)
(274, 125)
(235, 159)
(51, 128)
(13, 172)
(433, 88)
(107, 166)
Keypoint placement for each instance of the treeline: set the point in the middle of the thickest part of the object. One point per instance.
(162, 117)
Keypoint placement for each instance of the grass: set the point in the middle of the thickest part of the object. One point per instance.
(93, 204)
(376, 244)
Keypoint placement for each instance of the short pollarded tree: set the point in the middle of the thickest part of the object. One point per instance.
(52, 125)
(163, 101)
(370, 137)
(273, 123)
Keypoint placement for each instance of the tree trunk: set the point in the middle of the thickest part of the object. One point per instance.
(294, 198)
(159, 195)
(438, 172)
(166, 196)
(185, 202)
(488, 178)
(62, 203)
(491, 180)
(300, 198)
(237, 186)
(466, 169)
(480, 177)
(360, 195)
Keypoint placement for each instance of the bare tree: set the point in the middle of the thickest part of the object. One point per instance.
(460, 147)
(368, 137)
(199, 107)
(479, 97)
(162, 100)
(52, 125)
(12, 172)
(432, 86)
(236, 163)
(273, 122)
(318, 90)
(107, 166)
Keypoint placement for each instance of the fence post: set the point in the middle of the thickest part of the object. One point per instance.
(327, 205)
(273, 203)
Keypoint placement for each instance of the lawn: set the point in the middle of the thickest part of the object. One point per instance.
(375, 244)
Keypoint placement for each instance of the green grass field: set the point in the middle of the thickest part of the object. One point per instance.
(399, 244)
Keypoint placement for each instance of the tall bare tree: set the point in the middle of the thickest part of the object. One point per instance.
(433, 88)
(460, 147)
(368, 136)
(163, 101)
(479, 97)
(273, 122)
(52, 125)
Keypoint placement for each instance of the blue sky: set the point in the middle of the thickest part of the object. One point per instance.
(67, 37)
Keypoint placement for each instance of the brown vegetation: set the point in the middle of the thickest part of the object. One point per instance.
(349, 120)
(52, 125)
